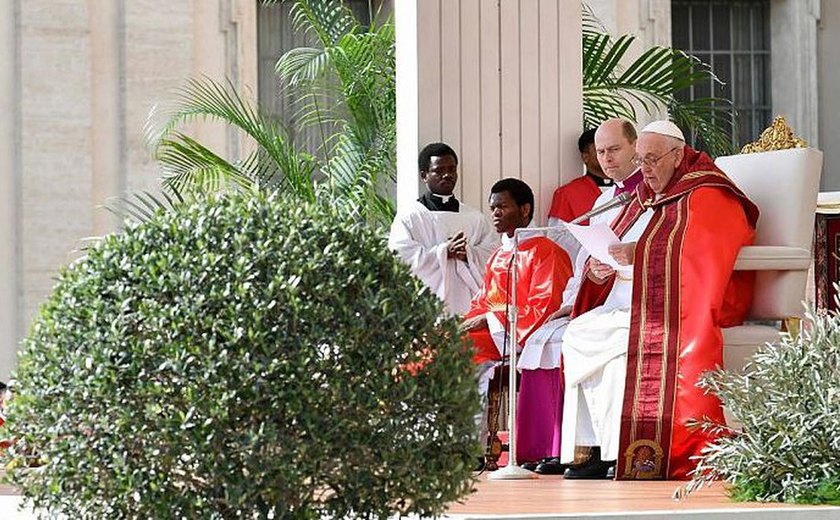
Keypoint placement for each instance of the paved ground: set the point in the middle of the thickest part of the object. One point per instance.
(10, 509)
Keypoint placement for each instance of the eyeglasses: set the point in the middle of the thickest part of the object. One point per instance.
(650, 163)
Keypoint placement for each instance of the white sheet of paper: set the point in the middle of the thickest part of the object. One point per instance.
(596, 239)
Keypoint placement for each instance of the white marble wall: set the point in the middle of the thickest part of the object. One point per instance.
(9, 184)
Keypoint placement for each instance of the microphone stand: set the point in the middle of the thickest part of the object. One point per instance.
(512, 471)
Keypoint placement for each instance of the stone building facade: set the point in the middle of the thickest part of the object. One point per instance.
(78, 79)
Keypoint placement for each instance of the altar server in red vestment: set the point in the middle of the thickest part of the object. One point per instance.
(642, 335)
(542, 269)
(576, 197)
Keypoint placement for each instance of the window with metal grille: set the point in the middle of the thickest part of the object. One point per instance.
(275, 36)
(732, 36)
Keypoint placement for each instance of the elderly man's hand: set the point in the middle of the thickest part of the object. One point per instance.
(623, 253)
(598, 271)
(474, 323)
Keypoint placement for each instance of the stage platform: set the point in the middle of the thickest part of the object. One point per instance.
(553, 497)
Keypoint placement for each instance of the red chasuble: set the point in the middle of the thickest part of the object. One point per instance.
(684, 290)
(4, 443)
(574, 199)
(543, 268)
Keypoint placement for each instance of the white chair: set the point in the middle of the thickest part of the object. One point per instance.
(784, 185)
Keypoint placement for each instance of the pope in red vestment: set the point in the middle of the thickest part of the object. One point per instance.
(542, 270)
(684, 290)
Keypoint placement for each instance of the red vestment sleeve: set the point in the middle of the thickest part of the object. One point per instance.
(549, 273)
(717, 229)
(543, 269)
(483, 347)
(574, 199)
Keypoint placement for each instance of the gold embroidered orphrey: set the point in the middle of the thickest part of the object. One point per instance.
(777, 136)
(644, 460)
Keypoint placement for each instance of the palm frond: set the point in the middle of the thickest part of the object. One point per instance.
(207, 99)
(141, 206)
(361, 173)
(649, 82)
(712, 119)
(591, 23)
(187, 164)
(303, 65)
(600, 105)
(329, 20)
(344, 89)
(602, 57)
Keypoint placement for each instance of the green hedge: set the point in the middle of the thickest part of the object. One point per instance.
(242, 359)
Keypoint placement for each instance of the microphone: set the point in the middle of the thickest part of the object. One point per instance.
(618, 201)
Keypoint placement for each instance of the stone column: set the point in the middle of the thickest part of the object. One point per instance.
(794, 65)
(9, 186)
(107, 109)
(829, 86)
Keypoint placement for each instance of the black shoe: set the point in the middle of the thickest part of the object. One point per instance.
(594, 470)
(531, 466)
(479, 464)
(552, 466)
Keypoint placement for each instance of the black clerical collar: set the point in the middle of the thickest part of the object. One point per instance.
(439, 203)
(600, 181)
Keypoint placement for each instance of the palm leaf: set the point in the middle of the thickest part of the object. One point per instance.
(344, 89)
(712, 119)
(205, 99)
(649, 82)
(303, 65)
(188, 164)
(591, 24)
(141, 206)
(603, 57)
(329, 20)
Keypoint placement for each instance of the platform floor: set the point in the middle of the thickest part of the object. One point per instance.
(553, 497)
